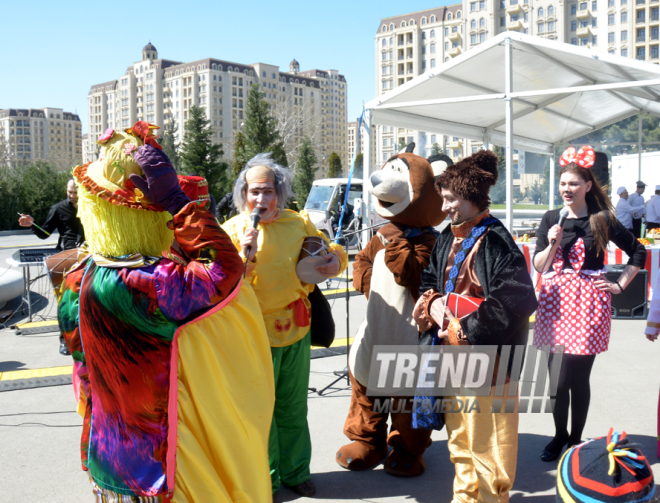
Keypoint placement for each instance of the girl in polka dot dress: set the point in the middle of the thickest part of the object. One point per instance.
(575, 299)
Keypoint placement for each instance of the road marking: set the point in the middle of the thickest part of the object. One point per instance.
(36, 324)
(28, 246)
(30, 373)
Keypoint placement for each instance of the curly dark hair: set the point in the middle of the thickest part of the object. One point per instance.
(471, 178)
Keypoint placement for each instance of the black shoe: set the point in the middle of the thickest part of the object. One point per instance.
(307, 489)
(64, 350)
(553, 450)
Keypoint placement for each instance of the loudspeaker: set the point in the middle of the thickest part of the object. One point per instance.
(631, 304)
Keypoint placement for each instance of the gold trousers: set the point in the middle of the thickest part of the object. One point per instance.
(484, 449)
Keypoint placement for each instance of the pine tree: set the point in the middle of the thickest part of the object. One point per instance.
(170, 146)
(436, 149)
(402, 144)
(358, 169)
(260, 132)
(304, 178)
(199, 155)
(239, 148)
(334, 166)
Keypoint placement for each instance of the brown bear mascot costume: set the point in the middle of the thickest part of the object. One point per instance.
(388, 272)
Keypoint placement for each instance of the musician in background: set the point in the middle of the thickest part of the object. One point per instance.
(272, 250)
(63, 217)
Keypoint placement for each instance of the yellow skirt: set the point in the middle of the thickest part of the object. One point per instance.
(224, 394)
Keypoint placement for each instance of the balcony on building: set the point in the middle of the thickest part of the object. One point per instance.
(454, 51)
(454, 36)
(583, 14)
(641, 39)
(514, 25)
(513, 9)
(455, 144)
(583, 32)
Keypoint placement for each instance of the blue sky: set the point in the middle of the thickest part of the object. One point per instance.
(54, 51)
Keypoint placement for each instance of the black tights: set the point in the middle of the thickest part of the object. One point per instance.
(573, 378)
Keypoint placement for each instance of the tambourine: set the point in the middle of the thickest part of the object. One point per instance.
(57, 265)
(311, 255)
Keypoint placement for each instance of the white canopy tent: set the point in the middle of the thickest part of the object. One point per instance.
(522, 92)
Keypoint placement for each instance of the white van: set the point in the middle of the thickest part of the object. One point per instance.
(324, 205)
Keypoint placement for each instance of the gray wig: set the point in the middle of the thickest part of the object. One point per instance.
(282, 182)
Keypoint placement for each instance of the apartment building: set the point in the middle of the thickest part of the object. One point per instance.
(42, 133)
(162, 91)
(352, 136)
(411, 44)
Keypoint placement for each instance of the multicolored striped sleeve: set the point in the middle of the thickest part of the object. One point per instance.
(213, 270)
(67, 313)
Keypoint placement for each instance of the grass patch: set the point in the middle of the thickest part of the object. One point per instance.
(521, 206)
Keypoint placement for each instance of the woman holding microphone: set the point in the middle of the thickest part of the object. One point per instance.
(575, 299)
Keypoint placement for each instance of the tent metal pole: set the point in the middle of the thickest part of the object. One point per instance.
(508, 108)
(551, 182)
(639, 146)
(366, 173)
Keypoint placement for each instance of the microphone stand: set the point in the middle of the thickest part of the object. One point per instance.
(341, 374)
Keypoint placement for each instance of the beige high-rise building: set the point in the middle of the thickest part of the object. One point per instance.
(44, 133)
(161, 92)
(412, 44)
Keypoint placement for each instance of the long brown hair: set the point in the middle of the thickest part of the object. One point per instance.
(599, 206)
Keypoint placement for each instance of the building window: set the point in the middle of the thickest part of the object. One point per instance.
(654, 52)
(432, 62)
(515, 17)
(574, 41)
(473, 24)
(573, 9)
(584, 41)
(594, 40)
(594, 23)
(482, 22)
(551, 26)
(641, 35)
(610, 19)
(594, 5)
(482, 37)
(432, 33)
(541, 13)
(541, 28)
(624, 17)
(551, 11)
(624, 53)
(432, 48)
(448, 16)
(584, 23)
(573, 25)
(610, 3)
(641, 53)
(526, 16)
(611, 38)
(583, 5)
(654, 14)
(502, 21)
(473, 39)
(624, 35)
(641, 16)
(654, 33)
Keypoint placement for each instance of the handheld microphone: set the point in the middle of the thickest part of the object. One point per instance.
(563, 214)
(256, 217)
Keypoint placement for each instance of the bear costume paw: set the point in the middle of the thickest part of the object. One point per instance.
(358, 456)
(404, 464)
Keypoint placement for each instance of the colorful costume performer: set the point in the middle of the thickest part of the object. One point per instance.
(482, 446)
(388, 272)
(171, 353)
(286, 312)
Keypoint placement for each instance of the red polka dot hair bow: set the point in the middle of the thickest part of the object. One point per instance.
(585, 157)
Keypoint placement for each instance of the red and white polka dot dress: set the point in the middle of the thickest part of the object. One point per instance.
(572, 312)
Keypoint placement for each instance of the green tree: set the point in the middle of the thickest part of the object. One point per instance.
(199, 155)
(169, 144)
(358, 170)
(436, 149)
(239, 148)
(334, 166)
(305, 171)
(260, 132)
(402, 144)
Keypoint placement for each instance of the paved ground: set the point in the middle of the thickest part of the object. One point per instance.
(40, 432)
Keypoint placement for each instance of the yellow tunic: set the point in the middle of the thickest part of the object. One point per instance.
(273, 276)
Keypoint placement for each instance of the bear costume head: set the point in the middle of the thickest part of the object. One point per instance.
(405, 189)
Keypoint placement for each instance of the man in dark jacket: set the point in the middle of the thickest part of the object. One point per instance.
(63, 217)
(477, 257)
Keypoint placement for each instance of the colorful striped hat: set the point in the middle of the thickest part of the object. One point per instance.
(605, 469)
